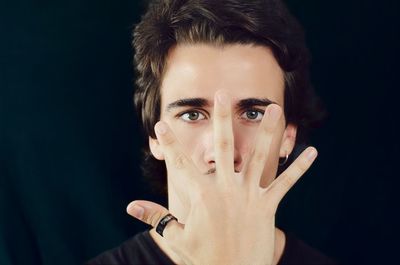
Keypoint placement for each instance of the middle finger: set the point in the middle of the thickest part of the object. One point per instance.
(223, 137)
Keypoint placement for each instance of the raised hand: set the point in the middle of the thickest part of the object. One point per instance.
(231, 218)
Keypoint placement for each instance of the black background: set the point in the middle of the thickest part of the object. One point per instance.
(70, 147)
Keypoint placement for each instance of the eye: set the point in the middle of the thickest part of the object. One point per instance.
(192, 116)
(253, 115)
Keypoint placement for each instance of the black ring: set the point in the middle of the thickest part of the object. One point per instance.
(163, 223)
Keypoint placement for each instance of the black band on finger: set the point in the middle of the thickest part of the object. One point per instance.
(163, 223)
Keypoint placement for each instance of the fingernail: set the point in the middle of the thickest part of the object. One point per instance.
(222, 99)
(161, 128)
(136, 210)
(312, 154)
(274, 112)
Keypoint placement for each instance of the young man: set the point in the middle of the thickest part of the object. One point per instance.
(223, 94)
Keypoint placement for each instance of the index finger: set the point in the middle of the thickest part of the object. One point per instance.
(179, 165)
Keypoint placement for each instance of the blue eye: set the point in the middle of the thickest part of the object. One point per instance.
(192, 116)
(253, 115)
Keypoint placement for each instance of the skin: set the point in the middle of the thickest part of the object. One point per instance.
(221, 156)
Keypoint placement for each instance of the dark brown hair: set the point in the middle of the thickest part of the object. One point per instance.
(219, 22)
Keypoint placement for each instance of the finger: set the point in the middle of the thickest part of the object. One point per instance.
(281, 185)
(177, 162)
(262, 144)
(181, 170)
(152, 213)
(223, 137)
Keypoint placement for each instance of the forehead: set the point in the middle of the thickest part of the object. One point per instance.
(199, 70)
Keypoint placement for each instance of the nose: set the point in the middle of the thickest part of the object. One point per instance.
(209, 153)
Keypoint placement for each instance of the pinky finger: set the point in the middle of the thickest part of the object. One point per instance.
(154, 214)
(285, 181)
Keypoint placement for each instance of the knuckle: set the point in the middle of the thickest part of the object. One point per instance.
(154, 219)
(259, 157)
(224, 145)
(180, 161)
(302, 165)
(168, 140)
(287, 182)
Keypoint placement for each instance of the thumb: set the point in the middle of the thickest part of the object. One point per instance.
(151, 213)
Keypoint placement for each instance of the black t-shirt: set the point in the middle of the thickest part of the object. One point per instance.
(142, 249)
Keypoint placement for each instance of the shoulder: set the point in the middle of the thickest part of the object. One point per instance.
(298, 252)
(140, 249)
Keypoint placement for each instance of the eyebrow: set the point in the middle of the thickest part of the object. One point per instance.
(202, 102)
(188, 102)
(250, 102)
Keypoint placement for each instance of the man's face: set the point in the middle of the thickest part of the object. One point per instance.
(250, 75)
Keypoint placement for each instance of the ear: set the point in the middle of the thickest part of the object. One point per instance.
(155, 148)
(288, 140)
